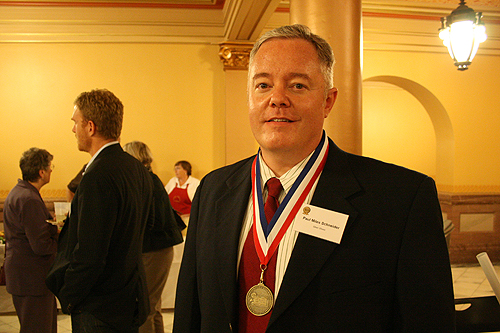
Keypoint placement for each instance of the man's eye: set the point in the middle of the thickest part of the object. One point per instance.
(298, 86)
(262, 86)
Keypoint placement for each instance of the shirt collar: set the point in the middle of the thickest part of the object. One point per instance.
(97, 153)
(288, 178)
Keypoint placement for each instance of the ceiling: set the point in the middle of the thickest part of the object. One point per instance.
(205, 3)
(202, 21)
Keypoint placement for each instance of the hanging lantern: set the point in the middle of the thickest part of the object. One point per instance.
(461, 32)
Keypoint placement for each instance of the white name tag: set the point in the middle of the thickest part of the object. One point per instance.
(321, 223)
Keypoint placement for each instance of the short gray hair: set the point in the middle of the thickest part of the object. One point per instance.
(32, 161)
(324, 50)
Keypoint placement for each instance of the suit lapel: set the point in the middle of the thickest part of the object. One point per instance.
(229, 214)
(336, 183)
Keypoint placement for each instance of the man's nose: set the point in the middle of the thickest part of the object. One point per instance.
(279, 97)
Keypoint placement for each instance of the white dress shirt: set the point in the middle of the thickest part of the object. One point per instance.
(288, 242)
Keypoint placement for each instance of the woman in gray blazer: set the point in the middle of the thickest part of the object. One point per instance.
(31, 244)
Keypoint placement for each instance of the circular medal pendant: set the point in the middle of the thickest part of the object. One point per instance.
(259, 300)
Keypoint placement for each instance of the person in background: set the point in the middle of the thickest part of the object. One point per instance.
(181, 189)
(305, 237)
(31, 245)
(159, 239)
(73, 184)
(98, 275)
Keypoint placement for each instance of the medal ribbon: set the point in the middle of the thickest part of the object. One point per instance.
(268, 236)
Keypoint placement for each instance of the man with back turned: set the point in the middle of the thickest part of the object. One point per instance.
(98, 274)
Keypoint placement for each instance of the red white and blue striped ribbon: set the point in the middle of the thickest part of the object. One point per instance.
(268, 236)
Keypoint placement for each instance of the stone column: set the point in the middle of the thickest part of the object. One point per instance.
(339, 22)
(239, 142)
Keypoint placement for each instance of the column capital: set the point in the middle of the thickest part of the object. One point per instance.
(235, 55)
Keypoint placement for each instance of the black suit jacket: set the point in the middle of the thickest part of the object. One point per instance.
(165, 232)
(390, 273)
(98, 267)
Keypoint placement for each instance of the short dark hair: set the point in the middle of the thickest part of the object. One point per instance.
(32, 161)
(299, 31)
(185, 165)
(104, 109)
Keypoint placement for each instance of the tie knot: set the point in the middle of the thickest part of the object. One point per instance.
(274, 187)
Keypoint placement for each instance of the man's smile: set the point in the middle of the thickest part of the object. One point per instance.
(280, 120)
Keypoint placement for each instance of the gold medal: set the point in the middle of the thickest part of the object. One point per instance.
(259, 300)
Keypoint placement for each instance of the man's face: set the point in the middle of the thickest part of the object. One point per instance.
(80, 128)
(45, 174)
(287, 97)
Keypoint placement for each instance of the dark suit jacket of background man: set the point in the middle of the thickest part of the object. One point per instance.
(390, 273)
(98, 268)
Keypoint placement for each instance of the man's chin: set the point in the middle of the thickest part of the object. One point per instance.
(84, 149)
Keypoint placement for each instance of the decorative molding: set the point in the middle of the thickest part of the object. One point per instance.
(235, 56)
(193, 4)
(460, 199)
(469, 189)
(110, 25)
(283, 4)
(46, 194)
(446, 192)
(245, 19)
(54, 194)
(388, 25)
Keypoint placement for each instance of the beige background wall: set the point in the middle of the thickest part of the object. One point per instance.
(173, 96)
(398, 129)
(180, 101)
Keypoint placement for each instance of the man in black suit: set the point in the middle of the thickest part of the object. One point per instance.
(98, 274)
(356, 245)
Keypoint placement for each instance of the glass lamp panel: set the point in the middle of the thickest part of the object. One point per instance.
(462, 40)
(480, 33)
(444, 34)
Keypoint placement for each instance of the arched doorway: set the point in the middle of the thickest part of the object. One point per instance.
(445, 151)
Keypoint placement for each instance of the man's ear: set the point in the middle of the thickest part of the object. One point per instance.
(331, 97)
(91, 128)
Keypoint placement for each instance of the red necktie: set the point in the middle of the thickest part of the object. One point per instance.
(249, 271)
(273, 193)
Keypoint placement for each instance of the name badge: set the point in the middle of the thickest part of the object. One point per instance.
(321, 223)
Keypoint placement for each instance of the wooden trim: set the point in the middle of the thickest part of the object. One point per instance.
(218, 4)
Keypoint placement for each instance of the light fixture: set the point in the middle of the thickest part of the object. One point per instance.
(461, 32)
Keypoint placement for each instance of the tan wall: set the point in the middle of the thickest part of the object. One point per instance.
(470, 99)
(396, 134)
(175, 100)
(173, 96)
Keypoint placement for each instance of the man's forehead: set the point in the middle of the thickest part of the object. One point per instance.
(278, 46)
(77, 113)
(293, 53)
(291, 70)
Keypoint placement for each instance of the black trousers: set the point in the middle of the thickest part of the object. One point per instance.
(85, 322)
